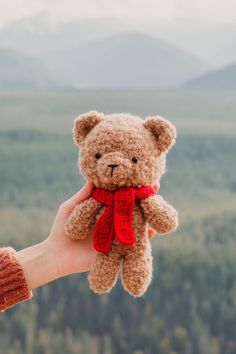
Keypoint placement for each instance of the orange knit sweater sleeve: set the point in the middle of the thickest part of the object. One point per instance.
(13, 285)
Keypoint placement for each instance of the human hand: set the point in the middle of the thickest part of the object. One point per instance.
(58, 255)
(70, 256)
(74, 256)
(151, 231)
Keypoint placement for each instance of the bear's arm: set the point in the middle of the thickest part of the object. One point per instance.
(161, 216)
(82, 219)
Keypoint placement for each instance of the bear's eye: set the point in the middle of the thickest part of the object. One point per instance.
(98, 155)
(134, 159)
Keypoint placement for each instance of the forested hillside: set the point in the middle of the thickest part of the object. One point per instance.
(190, 307)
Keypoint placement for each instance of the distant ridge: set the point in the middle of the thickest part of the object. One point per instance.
(129, 60)
(221, 79)
(19, 71)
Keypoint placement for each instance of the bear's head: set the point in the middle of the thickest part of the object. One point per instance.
(121, 150)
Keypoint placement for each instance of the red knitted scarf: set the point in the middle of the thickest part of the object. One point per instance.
(117, 217)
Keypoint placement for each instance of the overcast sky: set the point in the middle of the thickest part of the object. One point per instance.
(65, 10)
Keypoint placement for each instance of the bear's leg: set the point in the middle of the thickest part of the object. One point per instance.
(137, 268)
(104, 271)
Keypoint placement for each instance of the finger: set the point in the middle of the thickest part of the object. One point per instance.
(78, 197)
(156, 186)
(151, 233)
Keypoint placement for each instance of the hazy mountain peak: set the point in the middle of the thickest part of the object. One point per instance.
(20, 71)
(221, 79)
(130, 59)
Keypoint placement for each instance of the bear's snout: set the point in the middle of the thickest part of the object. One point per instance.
(112, 168)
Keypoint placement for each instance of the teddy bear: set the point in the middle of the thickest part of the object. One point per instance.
(123, 155)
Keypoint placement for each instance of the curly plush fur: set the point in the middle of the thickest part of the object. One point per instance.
(115, 140)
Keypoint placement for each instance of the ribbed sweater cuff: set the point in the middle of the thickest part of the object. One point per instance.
(13, 285)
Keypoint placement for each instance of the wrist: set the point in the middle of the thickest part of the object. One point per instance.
(38, 264)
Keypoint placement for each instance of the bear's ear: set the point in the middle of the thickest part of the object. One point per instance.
(84, 124)
(163, 130)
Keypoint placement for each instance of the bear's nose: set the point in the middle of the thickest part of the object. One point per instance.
(113, 165)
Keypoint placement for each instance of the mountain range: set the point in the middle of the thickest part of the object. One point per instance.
(101, 54)
(129, 60)
(217, 80)
(20, 71)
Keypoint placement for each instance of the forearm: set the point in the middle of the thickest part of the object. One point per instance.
(38, 264)
(23, 271)
(13, 284)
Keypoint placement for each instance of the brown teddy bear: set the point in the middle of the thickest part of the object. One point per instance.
(123, 156)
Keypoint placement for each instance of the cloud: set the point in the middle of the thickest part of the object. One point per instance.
(210, 10)
(65, 10)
